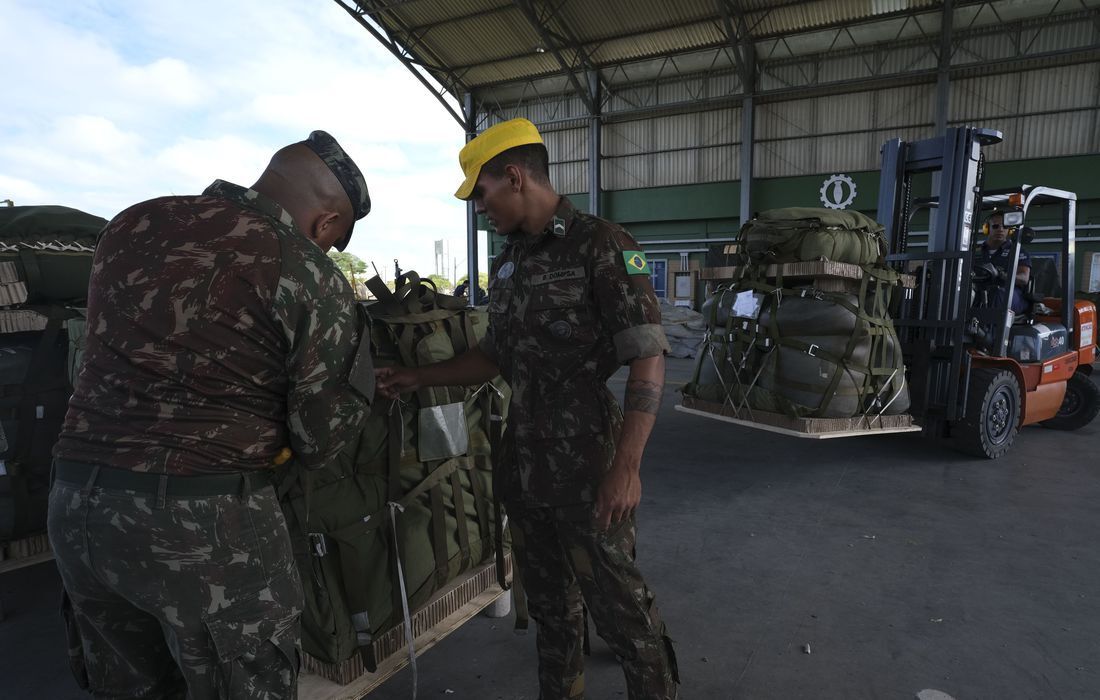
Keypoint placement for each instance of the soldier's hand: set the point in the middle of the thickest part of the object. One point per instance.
(391, 382)
(619, 495)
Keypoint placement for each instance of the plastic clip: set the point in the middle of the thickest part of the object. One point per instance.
(317, 543)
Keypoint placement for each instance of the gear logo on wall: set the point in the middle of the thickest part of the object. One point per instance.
(833, 192)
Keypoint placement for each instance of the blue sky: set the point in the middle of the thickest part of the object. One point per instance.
(110, 102)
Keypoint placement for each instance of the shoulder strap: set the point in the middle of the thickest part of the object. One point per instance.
(31, 272)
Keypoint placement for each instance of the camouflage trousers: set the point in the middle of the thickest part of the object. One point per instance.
(565, 563)
(187, 597)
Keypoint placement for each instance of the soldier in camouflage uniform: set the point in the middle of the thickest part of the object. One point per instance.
(220, 335)
(570, 300)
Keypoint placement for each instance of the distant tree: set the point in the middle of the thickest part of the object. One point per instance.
(482, 279)
(354, 268)
(441, 283)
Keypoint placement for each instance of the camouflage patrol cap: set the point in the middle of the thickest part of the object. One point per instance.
(346, 172)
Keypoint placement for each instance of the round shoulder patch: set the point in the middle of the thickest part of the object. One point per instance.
(506, 270)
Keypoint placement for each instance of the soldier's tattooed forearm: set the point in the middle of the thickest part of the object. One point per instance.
(642, 395)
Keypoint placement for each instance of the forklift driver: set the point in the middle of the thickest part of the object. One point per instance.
(994, 256)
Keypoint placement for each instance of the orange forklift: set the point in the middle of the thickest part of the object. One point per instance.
(978, 372)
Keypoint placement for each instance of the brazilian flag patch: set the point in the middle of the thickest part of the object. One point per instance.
(636, 264)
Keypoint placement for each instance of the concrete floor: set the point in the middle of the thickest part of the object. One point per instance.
(900, 564)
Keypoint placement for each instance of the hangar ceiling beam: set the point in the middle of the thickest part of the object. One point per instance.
(741, 42)
(402, 54)
(539, 24)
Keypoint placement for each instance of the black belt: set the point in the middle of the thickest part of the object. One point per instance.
(164, 485)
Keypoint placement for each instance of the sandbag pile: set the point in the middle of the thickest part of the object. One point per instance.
(45, 262)
(408, 507)
(684, 328)
(804, 328)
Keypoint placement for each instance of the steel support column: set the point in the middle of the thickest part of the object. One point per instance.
(594, 145)
(747, 146)
(469, 107)
(740, 41)
(943, 72)
(748, 140)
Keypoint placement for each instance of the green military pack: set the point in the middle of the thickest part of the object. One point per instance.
(45, 262)
(805, 345)
(51, 249)
(408, 507)
(801, 234)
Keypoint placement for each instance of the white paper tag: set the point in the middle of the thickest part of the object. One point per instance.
(747, 304)
(1086, 334)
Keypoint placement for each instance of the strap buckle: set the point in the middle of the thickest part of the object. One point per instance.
(812, 350)
(317, 544)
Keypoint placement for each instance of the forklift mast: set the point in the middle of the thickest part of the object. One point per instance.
(932, 323)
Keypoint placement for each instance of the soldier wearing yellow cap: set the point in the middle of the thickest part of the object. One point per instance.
(570, 301)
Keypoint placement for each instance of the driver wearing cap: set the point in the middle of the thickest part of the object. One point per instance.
(995, 253)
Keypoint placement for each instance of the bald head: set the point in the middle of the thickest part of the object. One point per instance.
(300, 182)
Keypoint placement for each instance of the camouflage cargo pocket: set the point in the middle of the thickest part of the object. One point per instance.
(256, 642)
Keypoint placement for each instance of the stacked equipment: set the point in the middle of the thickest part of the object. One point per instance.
(408, 507)
(45, 262)
(803, 330)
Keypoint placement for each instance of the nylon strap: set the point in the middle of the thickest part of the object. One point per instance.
(439, 534)
(395, 445)
(460, 519)
(32, 274)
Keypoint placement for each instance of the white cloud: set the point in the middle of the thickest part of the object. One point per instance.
(112, 103)
(166, 80)
(195, 163)
(20, 190)
(91, 134)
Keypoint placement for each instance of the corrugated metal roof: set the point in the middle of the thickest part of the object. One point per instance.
(658, 57)
(485, 42)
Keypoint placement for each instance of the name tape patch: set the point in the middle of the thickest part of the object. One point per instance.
(573, 273)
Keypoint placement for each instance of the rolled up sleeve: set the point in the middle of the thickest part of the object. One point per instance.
(628, 306)
(640, 341)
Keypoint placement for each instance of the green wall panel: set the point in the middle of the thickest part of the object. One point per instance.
(711, 210)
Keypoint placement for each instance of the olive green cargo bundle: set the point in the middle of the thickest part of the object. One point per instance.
(801, 234)
(408, 507)
(804, 338)
(46, 254)
(45, 262)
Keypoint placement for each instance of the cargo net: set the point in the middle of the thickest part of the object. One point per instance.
(804, 339)
(53, 246)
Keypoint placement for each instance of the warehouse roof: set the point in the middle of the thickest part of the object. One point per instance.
(490, 46)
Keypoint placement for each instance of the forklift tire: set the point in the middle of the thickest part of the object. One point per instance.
(992, 414)
(1080, 406)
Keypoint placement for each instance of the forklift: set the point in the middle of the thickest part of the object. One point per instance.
(977, 371)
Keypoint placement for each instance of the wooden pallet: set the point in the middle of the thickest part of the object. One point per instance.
(443, 614)
(812, 428)
(15, 554)
(826, 275)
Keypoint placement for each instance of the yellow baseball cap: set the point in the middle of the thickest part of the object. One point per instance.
(489, 144)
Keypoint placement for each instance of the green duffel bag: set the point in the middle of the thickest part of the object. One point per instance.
(52, 247)
(802, 352)
(804, 234)
(409, 506)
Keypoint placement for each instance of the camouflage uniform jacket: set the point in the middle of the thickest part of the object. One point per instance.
(217, 335)
(564, 313)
